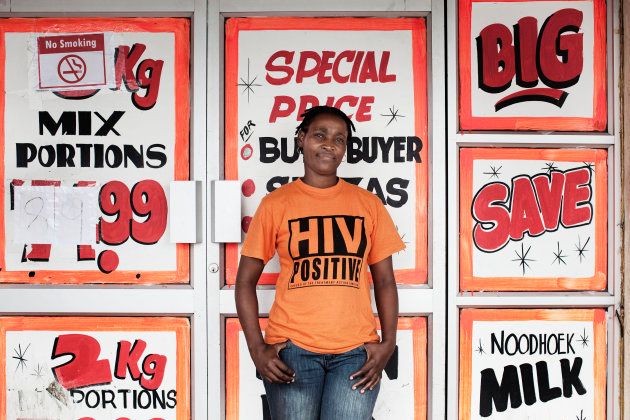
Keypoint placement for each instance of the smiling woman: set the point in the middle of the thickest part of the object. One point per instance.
(321, 357)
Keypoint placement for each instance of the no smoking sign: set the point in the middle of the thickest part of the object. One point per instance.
(71, 61)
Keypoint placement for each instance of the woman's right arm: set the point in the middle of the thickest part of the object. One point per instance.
(265, 356)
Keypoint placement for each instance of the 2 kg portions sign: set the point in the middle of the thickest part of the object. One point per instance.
(372, 69)
(86, 166)
(94, 368)
(532, 364)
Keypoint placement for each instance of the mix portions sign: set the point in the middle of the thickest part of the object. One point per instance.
(372, 69)
(403, 386)
(522, 364)
(86, 368)
(87, 171)
(533, 65)
(533, 219)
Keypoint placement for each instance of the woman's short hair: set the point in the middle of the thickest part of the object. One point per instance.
(310, 114)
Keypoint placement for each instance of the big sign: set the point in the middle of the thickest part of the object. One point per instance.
(532, 364)
(94, 368)
(403, 391)
(86, 170)
(533, 219)
(532, 65)
(375, 71)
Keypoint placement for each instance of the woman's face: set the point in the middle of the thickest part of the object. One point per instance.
(324, 144)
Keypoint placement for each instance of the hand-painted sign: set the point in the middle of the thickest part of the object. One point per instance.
(69, 151)
(375, 71)
(403, 392)
(532, 65)
(533, 219)
(532, 364)
(94, 368)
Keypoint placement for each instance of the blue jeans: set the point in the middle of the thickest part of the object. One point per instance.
(322, 389)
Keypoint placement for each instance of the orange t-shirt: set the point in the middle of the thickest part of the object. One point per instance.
(325, 238)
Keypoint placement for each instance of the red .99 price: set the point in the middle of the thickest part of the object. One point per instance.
(146, 200)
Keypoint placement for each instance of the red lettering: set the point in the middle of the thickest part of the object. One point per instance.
(495, 58)
(326, 65)
(525, 38)
(348, 56)
(271, 67)
(564, 71)
(153, 366)
(491, 232)
(368, 70)
(84, 368)
(283, 106)
(524, 209)
(553, 56)
(577, 209)
(302, 70)
(537, 204)
(549, 190)
(128, 357)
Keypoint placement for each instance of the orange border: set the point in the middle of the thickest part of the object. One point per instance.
(467, 316)
(180, 27)
(419, 337)
(417, 26)
(469, 282)
(181, 327)
(468, 122)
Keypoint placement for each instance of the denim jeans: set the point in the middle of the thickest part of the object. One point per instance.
(322, 389)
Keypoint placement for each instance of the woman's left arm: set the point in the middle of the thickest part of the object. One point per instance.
(378, 354)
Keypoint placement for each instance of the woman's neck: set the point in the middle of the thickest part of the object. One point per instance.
(320, 181)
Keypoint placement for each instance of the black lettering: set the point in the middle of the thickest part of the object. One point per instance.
(494, 343)
(269, 152)
(50, 151)
(397, 187)
(545, 393)
(156, 155)
(134, 155)
(527, 379)
(172, 398)
(108, 124)
(67, 122)
(85, 123)
(24, 154)
(399, 147)
(84, 154)
(113, 156)
(414, 147)
(374, 186)
(491, 391)
(65, 155)
(108, 393)
(571, 377)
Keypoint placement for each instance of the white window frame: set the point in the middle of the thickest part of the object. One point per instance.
(610, 140)
(188, 301)
(426, 300)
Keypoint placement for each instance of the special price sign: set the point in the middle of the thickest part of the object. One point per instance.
(532, 364)
(533, 219)
(532, 65)
(94, 368)
(372, 69)
(89, 152)
(403, 392)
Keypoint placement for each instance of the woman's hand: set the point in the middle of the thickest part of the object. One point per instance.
(378, 355)
(267, 361)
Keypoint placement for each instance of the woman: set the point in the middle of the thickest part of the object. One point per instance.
(321, 357)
